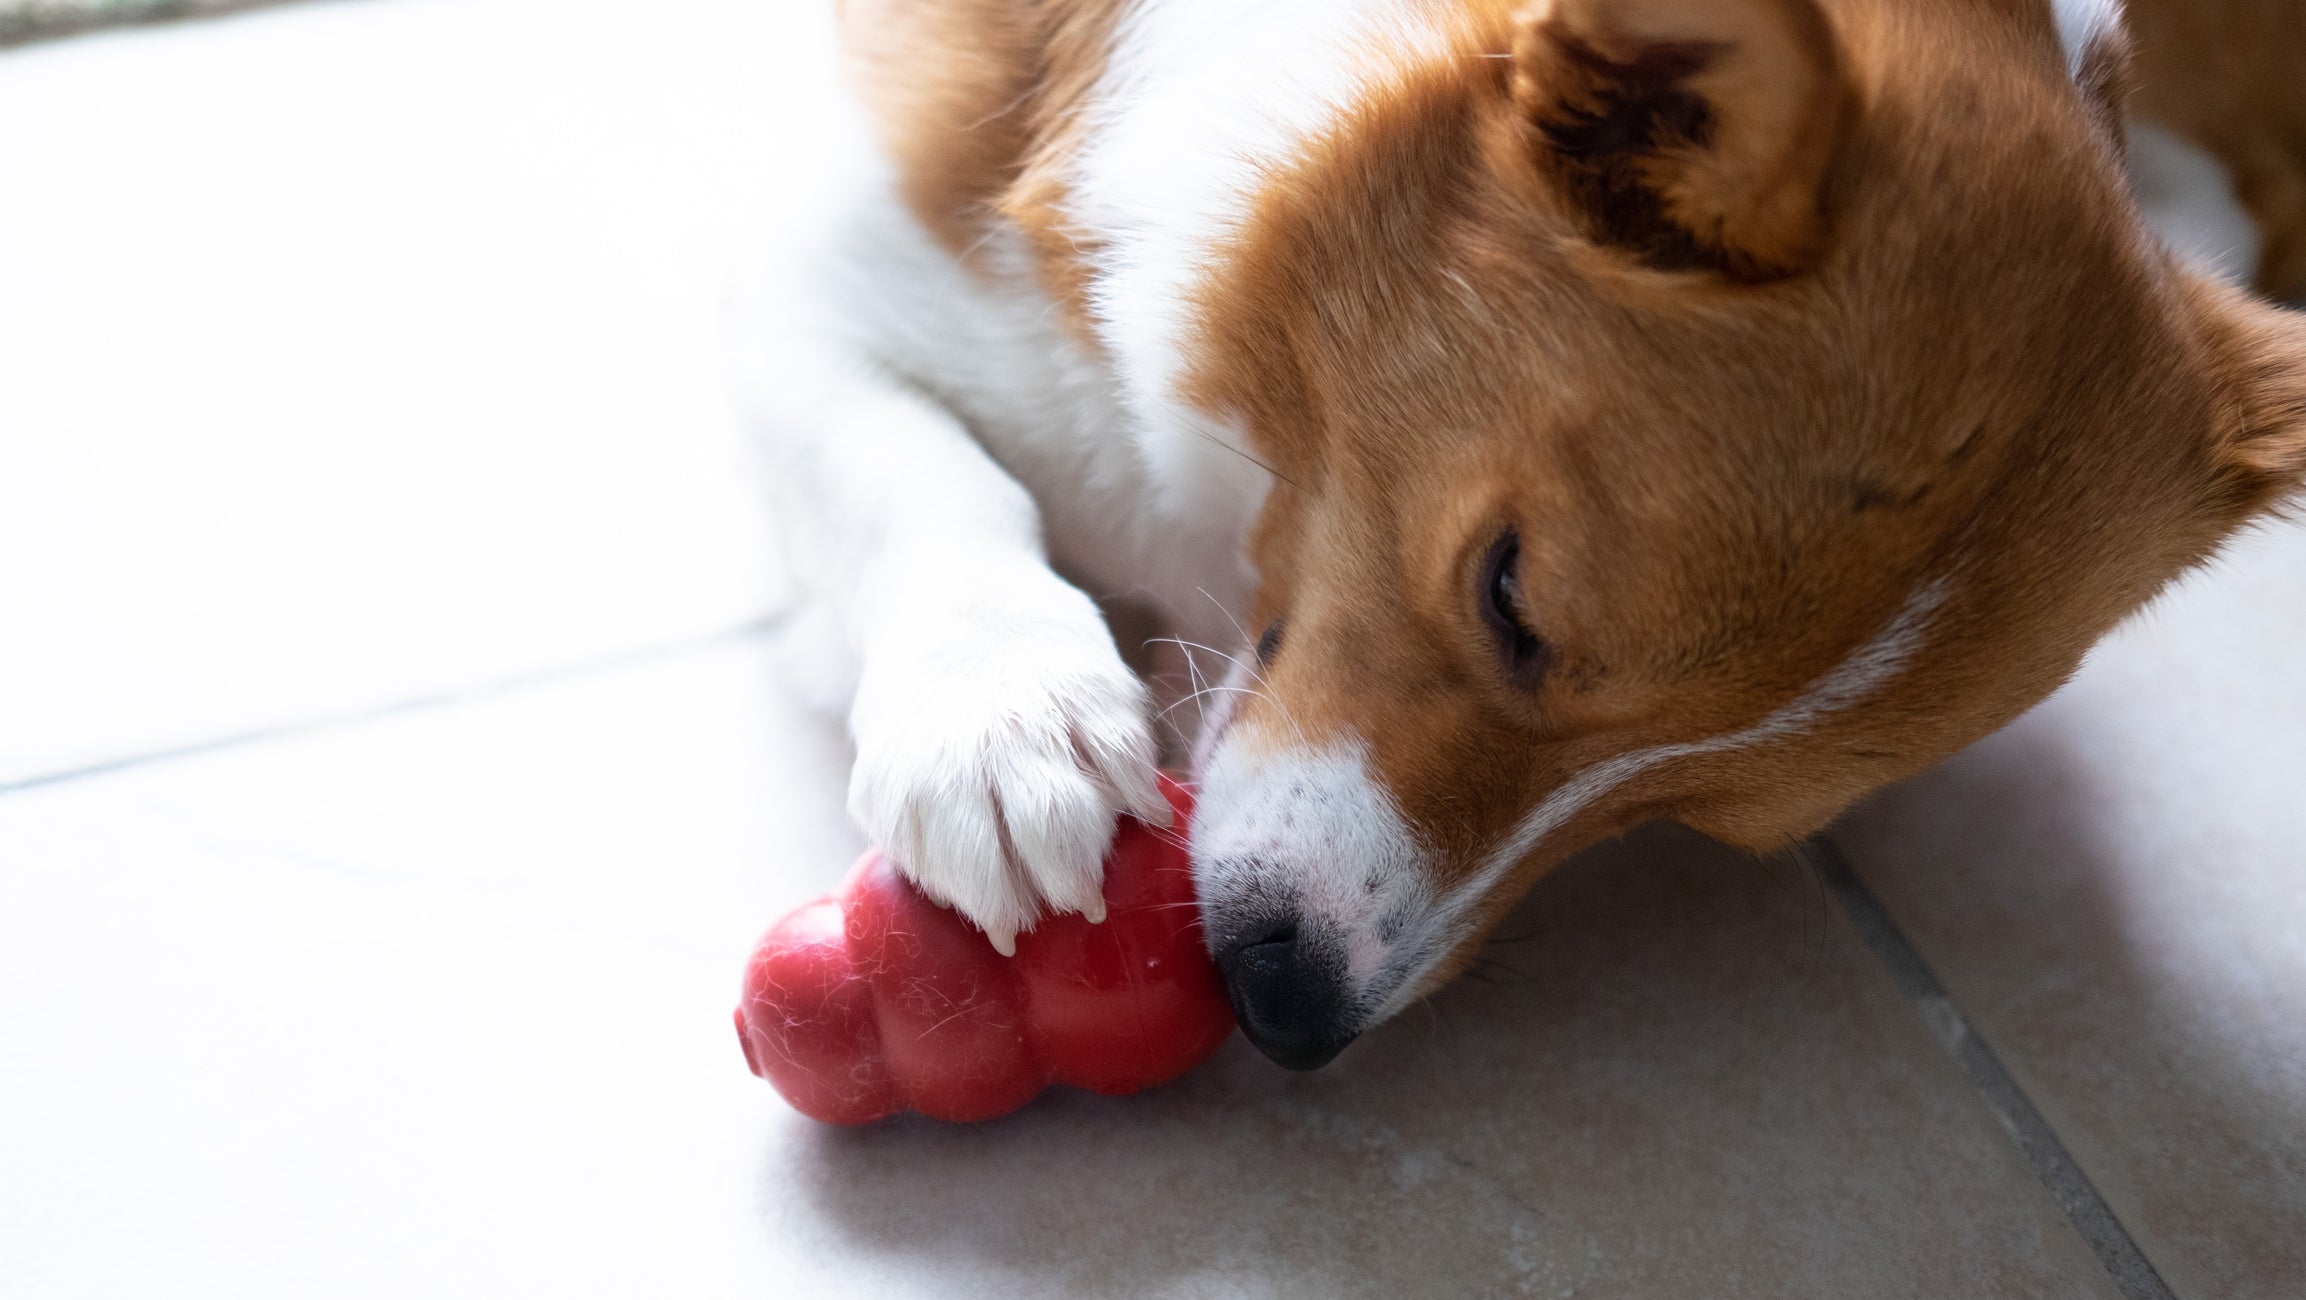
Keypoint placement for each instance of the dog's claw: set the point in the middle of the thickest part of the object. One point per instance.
(992, 765)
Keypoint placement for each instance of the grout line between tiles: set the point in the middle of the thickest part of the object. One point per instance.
(414, 704)
(56, 20)
(2132, 1272)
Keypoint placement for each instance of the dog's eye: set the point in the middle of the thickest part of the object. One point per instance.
(1524, 653)
(1269, 644)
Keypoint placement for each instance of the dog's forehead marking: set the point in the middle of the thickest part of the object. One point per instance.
(1866, 670)
(1202, 102)
(1284, 809)
(2083, 25)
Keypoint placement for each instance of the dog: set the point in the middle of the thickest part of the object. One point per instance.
(2220, 106)
(1552, 416)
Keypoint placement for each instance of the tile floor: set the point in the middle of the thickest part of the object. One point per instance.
(394, 768)
(2114, 889)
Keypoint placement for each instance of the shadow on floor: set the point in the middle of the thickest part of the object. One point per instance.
(1685, 1076)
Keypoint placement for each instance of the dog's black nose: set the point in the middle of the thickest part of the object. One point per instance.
(1288, 993)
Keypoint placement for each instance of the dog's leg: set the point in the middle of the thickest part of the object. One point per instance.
(998, 732)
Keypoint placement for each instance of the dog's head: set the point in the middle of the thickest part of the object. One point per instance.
(1694, 409)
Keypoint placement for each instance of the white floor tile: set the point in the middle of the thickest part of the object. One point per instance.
(2115, 889)
(434, 1006)
(352, 350)
(438, 1005)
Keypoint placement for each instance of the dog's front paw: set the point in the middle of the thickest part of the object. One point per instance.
(994, 753)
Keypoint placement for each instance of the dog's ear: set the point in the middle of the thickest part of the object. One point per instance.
(1690, 134)
(2264, 364)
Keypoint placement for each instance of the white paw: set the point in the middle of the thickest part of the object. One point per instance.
(996, 743)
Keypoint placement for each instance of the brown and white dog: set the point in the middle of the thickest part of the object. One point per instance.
(1575, 412)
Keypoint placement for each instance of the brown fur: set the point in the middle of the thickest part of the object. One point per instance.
(2231, 74)
(1992, 377)
(980, 104)
(1626, 95)
(1743, 365)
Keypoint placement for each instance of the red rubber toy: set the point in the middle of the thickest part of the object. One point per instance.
(874, 1000)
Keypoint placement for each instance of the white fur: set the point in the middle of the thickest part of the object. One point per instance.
(2082, 25)
(1313, 829)
(947, 442)
(1865, 671)
(954, 447)
(1290, 814)
(935, 432)
(1311, 834)
(1200, 101)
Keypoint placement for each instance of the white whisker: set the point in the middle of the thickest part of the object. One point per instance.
(1219, 689)
(1265, 691)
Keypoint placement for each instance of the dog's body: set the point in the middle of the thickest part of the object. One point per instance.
(2229, 77)
(1572, 413)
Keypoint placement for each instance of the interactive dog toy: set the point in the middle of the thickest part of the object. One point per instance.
(874, 1000)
